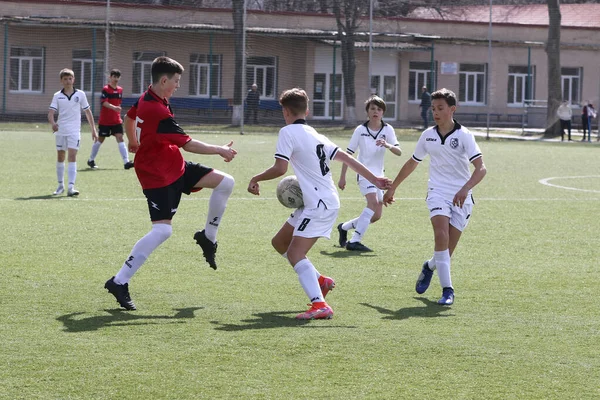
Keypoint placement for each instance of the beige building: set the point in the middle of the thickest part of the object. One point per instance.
(283, 50)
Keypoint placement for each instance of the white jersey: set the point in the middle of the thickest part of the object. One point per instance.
(364, 140)
(69, 111)
(310, 154)
(450, 159)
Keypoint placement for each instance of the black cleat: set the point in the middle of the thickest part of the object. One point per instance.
(357, 246)
(121, 293)
(209, 249)
(92, 164)
(343, 236)
(128, 165)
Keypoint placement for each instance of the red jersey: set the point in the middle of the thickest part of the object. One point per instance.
(158, 161)
(114, 97)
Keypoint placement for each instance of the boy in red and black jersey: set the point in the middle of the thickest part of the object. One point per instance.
(110, 122)
(155, 137)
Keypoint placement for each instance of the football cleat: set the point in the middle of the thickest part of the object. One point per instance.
(316, 312)
(209, 249)
(326, 284)
(343, 236)
(72, 192)
(59, 190)
(92, 164)
(121, 293)
(357, 246)
(447, 297)
(424, 279)
(128, 165)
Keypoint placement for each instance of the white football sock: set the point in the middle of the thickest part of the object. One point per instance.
(60, 172)
(362, 225)
(431, 263)
(216, 207)
(72, 173)
(142, 250)
(442, 262)
(95, 150)
(308, 280)
(123, 151)
(350, 224)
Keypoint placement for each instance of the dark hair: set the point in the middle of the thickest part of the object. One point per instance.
(165, 66)
(445, 94)
(374, 99)
(115, 72)
(295, 100)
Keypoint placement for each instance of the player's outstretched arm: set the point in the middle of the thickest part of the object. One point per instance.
(476, 177)
(358, 167)
(407, 169)
(198, 147)
(279, 168)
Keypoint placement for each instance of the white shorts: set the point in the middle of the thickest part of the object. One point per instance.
(313, 223)
(367, 187)
(64, 142)
(459, 216)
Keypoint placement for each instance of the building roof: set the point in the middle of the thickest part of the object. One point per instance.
(572, 15)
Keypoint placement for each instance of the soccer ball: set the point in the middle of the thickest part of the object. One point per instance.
(289, 193)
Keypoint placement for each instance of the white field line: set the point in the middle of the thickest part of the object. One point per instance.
(546, 181)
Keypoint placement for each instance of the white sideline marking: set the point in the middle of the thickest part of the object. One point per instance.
(546, 181)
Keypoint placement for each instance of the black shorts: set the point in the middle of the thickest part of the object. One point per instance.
(107, 130)
(163, 202)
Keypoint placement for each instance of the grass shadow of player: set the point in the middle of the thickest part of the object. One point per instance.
(41, 197)
(343, 253)
(267, 320)
(430, 309)
(118, 317)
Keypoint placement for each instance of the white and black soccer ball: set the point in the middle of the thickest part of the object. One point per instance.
(289, 193)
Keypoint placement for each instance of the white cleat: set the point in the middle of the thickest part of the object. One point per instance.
(72, 192)
(59, 190)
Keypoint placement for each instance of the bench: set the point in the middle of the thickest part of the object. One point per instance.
(205, 104)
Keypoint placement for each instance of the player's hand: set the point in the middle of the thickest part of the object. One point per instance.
(382, 143)
(133, 147)
(388, 197)
(227, 152)
(117, 109)
(54, 127)
(94, 135)
(342, 183)
(460, 197)
(254, 188)
(383, 183)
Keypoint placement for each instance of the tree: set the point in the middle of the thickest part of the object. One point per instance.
(554, 73)
(347, 14)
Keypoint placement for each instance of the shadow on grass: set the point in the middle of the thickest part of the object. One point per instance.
(274, 319)
(430, 309)
(343, 253)
(41, 197)
(120, 317)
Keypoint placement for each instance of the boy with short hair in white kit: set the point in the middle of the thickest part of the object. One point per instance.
(451, 148)
(310, 154)
(371, 140)
(68, 102)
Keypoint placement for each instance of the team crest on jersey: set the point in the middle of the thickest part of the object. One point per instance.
(454, 143)
(76, 99)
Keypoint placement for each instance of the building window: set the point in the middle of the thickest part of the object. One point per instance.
(142, 72)
(26, 69)
(205, 75)
(521, 85)
(86, 77)
(262, 71)
(419, 75)
(471, 84)
(571, 84)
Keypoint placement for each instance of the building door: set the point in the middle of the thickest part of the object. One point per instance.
(327, 96)
(384, 86)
